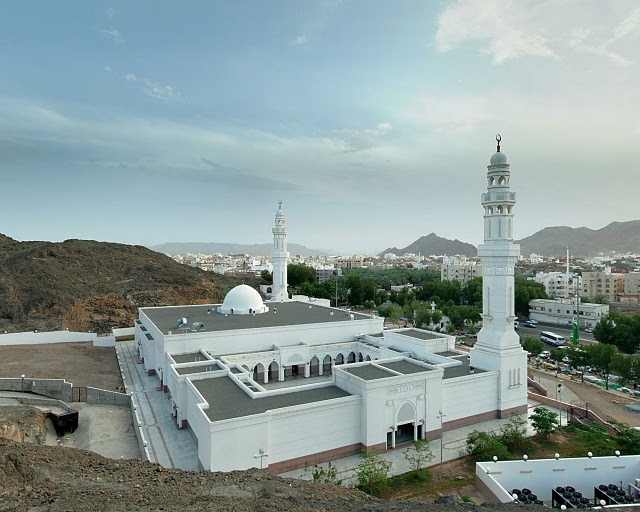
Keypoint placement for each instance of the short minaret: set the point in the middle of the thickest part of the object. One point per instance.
(280, 257)
(498, 346)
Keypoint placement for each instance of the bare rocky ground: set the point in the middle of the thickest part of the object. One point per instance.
(42, 478)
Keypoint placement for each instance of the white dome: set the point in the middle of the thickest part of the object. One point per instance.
(498, 159)
(242, 300)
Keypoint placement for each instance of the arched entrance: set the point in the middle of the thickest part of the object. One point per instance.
(273, 371)
(314, 366)
(326, 364)
(259, 373)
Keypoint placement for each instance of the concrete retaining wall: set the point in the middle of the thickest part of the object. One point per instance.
(138, 428)
(104, 397)
(35, 338)
(104, 341)
(53, 388)
(570, 408)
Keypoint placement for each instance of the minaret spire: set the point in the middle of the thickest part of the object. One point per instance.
(498, 346)
(280, 256)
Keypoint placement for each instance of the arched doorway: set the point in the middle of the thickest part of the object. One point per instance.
(339, 359)
(351, 358)
(326, 365)
(258, 373)
(273, 371)
(314, 366)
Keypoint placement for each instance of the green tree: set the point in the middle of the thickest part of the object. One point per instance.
(600, 357)
(298, 274)
(420, 455)
(484, 445)
(372, 472)
(513, 434)
(355, 287)
(557, 354)
(266, 276)
(526, 291)
(600, 299)
(393, 313)
(472, 291)
(532, 345)
(544, 421)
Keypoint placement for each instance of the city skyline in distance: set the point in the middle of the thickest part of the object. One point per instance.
(372, 122)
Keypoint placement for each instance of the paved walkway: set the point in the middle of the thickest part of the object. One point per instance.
(168, 446)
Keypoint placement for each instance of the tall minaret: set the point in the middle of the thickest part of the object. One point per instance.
(498, 346)
(280, 257)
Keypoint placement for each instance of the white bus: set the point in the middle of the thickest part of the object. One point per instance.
(551, 338)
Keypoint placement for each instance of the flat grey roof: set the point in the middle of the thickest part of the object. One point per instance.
(191, 357)
(369, 372)
(226, 400)
(418, 334)
(460, 371)
(447, 353)
(288, 313)
(405, 367)
(187, 370)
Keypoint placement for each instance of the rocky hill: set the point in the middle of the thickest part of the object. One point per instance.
(433, 244)
(87, 285)
(621, 237)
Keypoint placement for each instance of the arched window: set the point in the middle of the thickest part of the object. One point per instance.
(499, 210)
(502, 180)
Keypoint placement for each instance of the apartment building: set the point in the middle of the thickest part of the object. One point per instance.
(605, 283)
(561, 311)
(460, 271)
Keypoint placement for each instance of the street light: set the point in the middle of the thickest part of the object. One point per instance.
(441, 415)
(22, 376)
(261, 455)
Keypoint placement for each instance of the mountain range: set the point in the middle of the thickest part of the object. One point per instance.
(229, 248)
(433, 244)
(621, 237)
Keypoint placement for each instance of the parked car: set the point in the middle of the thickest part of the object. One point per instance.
(588, 329)
(530, 323)
(545, 354)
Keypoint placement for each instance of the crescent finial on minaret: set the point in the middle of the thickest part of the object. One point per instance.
(498, 139)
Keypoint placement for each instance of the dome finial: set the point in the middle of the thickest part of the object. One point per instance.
(280, 204)
(498, 139)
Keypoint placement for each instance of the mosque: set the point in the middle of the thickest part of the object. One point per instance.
(290, 382)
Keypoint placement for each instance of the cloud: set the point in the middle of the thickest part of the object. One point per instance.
(111, 12)
(108, 69)
(362, 140)
(529, 28)
(301, 39)
(152, 88)
(114, 34)
(162, 92)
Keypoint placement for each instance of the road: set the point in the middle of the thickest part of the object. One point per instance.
(534, 332)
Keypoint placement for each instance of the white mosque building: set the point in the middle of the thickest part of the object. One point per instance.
(286, 383)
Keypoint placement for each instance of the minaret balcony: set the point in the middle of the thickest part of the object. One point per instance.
(498, 196)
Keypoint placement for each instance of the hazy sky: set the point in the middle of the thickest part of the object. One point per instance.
(153, 121)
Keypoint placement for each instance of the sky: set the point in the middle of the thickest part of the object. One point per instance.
(373, 121)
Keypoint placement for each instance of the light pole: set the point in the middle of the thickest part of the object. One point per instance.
(560, 400)
(261, 455)
(440, 416)
(22, 377)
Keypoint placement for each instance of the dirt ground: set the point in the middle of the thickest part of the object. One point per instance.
(606, 404)
(79, 363)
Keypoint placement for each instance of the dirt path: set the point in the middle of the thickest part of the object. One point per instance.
(606, 404)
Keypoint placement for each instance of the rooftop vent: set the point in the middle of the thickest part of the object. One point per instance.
(181, 323)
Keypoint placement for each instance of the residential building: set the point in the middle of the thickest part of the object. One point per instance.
(562, 311)
(604, 283)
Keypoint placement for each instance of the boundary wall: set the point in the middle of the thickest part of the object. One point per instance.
(60, 389)
(36, 338)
